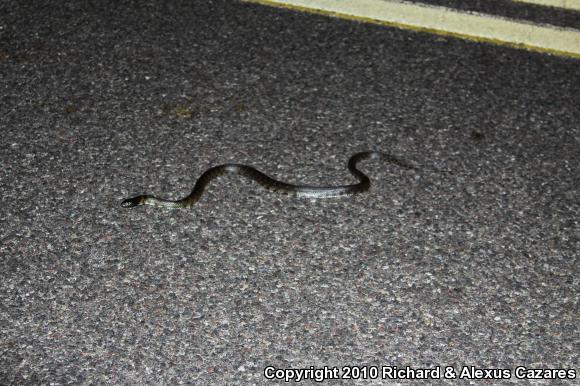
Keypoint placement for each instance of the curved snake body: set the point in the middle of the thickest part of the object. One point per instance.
(272, 184)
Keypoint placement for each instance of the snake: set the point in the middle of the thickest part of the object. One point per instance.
(271, 184)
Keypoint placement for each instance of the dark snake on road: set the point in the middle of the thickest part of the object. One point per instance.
(271, 184)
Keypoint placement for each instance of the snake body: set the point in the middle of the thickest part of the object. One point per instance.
(272, 184)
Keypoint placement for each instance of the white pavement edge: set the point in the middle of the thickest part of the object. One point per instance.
(568, 4)
(445, 21)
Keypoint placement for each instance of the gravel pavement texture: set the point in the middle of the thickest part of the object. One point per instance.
(471, 260)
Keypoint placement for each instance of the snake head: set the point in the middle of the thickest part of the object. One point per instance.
(132, 202)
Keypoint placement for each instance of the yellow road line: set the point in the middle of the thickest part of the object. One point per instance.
(445, 21)
(568, 4)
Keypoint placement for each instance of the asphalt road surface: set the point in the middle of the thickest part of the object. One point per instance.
(470, 260)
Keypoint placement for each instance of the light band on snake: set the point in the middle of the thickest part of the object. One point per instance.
(271, 184)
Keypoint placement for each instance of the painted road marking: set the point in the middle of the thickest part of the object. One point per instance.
(568, 4)
(445, 21)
